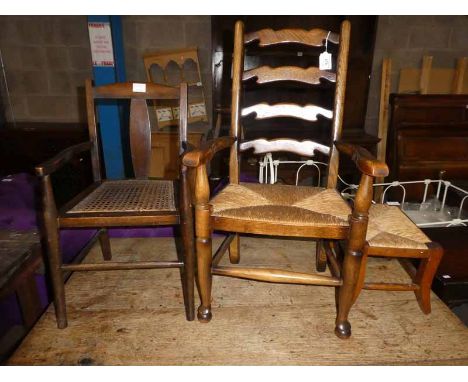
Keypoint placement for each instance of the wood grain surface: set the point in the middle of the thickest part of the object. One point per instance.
(136, 317)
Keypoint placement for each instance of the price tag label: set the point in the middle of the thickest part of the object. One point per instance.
(139, 88)
(325, 61)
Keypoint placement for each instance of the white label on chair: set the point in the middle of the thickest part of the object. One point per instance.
(446, 277)
(325, 61)
(139, 88)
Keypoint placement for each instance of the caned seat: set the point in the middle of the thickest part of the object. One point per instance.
(282, 204)
(135, 202)
(128, 196)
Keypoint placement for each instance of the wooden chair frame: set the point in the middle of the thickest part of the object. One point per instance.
(355, 233)
(140, 139)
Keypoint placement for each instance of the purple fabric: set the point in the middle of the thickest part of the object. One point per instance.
(161, 231)
(18, 212)
(243, 178)
(17, 203)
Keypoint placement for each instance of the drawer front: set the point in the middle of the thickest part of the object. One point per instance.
(418, 148)
(433, 114)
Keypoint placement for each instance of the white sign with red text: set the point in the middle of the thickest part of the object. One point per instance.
(100, 38)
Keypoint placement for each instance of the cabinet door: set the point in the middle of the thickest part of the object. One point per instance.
(165, 153)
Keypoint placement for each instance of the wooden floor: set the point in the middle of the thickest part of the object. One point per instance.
(137, 318)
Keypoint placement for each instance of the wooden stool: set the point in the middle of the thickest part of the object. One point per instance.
(20, 260)
(391, 233)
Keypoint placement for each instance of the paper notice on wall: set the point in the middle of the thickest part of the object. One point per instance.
(100, 38)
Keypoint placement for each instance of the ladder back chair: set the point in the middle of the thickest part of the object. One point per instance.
(121, 203)
(319, 213)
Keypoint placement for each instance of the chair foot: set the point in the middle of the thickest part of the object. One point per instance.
(204, 314)
(424, 300)
(343, 330)
(62, 323)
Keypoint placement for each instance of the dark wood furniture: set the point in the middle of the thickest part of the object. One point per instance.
(428, 134)
(311, 212)
(451, 279)
(120, 203)
(165, 149)
(20, 261)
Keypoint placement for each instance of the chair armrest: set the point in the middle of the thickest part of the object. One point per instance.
(53, 164)
(207, 150)
(364, 160)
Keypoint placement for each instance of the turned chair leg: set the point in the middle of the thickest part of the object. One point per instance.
(234, 250)
(52, 245)
(425, 275)
(189, 267)
(55, 263)
(361, 276)
(204, 259)
(105, 244)
(347, 292)
(320, 257)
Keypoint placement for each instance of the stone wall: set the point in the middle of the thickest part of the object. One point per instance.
(406, 39)
(143, 34)
(46, 60)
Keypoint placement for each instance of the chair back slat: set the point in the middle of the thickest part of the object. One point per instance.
(140, 138)
(264, 146)
(311, 75)
(307, 112)
(136, 90)
(313, 37)
(310, 112)
(139, 122)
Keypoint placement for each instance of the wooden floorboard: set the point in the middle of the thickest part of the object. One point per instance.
(137, 317)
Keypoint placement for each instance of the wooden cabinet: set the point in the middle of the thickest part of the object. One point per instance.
(165, 151)
(428, 134)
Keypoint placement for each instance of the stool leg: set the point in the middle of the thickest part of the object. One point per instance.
(425, 274)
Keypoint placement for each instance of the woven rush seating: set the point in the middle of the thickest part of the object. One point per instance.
(129, 196)
(390, 227)
(314, 206)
